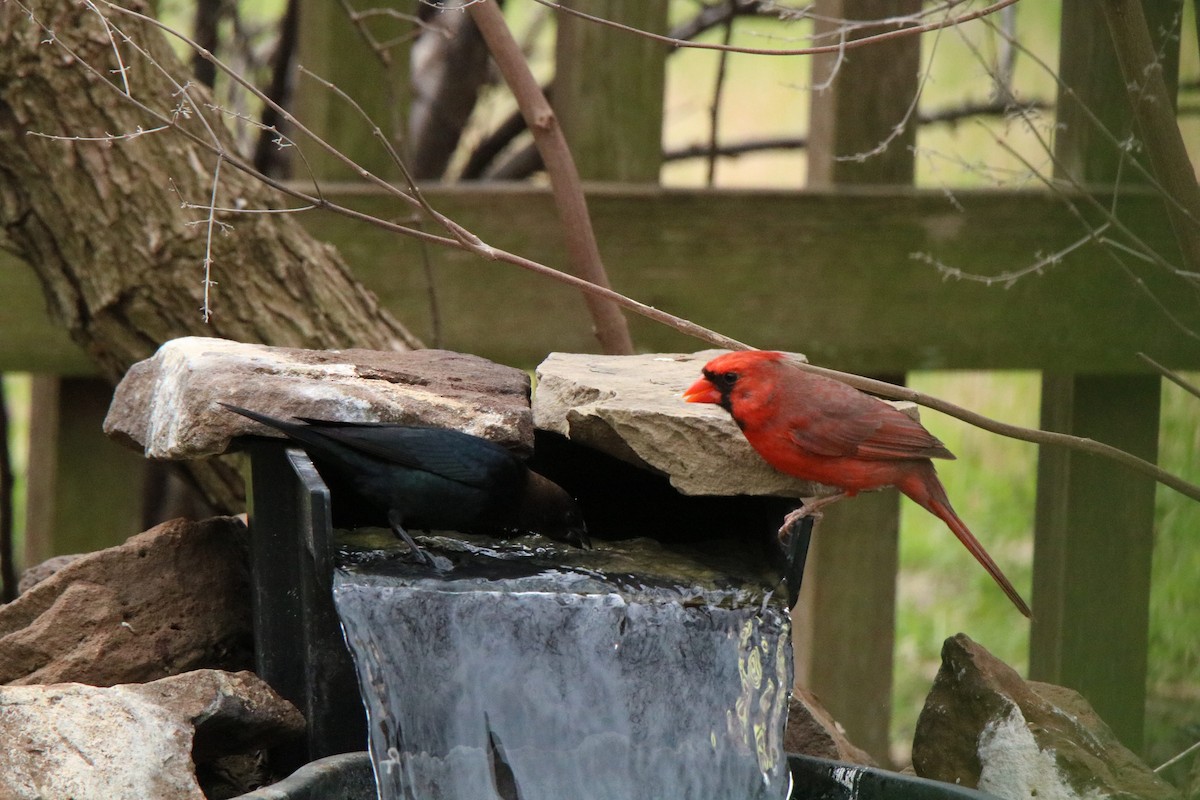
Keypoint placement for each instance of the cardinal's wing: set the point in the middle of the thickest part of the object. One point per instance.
(861, 426)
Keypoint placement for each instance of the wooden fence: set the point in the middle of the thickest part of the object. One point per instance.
(825, 270)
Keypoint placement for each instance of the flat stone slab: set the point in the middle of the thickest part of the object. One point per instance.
(166, 405)
(632, 407)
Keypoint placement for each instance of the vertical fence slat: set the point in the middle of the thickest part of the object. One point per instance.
(867, 99)
(1095, 521)
(608, 89)
(333, 48)
(845, 622)
(1095, 536)
(84, 491)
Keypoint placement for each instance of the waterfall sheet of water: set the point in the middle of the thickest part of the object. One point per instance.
(510, 675)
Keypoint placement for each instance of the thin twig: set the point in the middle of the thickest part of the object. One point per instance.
(1008, 278)
(1146, 251)
(679, 324)
(714, 113)
(1117, 143)
(382, 52)
(1171, 375)
(358, 20)
(803, 51)
(898, 129)
(1176, 759)
(462, 234)
(358, 17)
(284, 114)
(210, 227)
(121, 69)
(108, 137)
(280, 141)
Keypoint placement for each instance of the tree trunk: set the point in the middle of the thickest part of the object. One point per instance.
(121, 261)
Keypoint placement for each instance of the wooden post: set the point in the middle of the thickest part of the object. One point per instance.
(845, 622)
(1093, 547)
(608, 89)
(1095, 521)
(84, 491)
(844, 629)
(869, 95)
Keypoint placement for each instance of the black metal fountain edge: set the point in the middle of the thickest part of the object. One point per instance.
(349, 777)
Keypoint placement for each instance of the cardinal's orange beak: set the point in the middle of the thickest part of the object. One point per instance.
(702, 391)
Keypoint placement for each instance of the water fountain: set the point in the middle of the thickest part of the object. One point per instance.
(533, 661)
(655, 665)
(521, 670)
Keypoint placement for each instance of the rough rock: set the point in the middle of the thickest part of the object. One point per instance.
(167, 406)
(39, 572)
(983, 726)
(631, 407)
(812, 731)
(230, 712)
(172, 599)
(133, 741)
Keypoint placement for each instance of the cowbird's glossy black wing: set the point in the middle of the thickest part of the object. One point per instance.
(428, 478)
(432, 478)
(452, 455)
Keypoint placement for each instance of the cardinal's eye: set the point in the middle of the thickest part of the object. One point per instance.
(729, 378)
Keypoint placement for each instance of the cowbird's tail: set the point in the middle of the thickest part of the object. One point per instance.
(293, 429)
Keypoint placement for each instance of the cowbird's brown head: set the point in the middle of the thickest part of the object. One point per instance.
(547, 509)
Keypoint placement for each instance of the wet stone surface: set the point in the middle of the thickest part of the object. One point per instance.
(718, 571)
(633, 669)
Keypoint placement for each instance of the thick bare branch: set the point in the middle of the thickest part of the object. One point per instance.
(219, 149)
(1154, 111)
(122, 267)
(584, 253)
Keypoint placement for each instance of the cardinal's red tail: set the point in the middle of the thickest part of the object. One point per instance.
(926, 490)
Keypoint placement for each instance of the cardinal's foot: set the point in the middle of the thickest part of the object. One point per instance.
(793, 519)
(811, 509)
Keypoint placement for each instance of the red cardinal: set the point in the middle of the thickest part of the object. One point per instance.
(822, 430)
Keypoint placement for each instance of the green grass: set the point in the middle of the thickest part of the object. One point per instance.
(1173, 682)
(943, 591)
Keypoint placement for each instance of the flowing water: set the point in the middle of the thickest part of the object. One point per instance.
(512, 671)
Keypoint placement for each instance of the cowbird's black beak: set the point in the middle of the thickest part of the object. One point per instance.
(578, 536)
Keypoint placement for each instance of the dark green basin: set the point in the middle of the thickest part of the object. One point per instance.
(349, 777)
